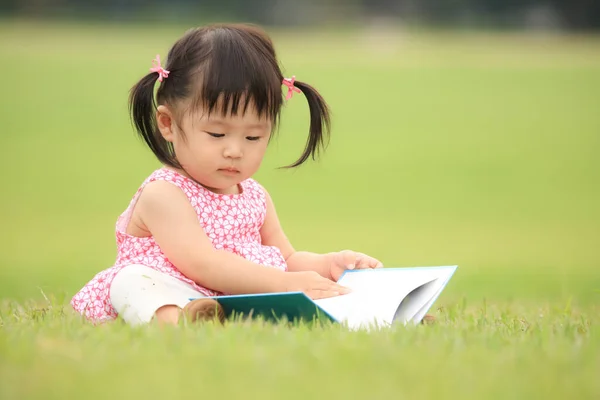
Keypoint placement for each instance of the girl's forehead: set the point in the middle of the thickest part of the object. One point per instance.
(250, 119)
(233, 104)
(229, 121)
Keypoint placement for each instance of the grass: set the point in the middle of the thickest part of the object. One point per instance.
(471, 149)
(494, 351)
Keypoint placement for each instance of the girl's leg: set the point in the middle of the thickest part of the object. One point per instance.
(140, 294)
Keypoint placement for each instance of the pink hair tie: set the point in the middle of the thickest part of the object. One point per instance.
(289, 82)
(162, 73)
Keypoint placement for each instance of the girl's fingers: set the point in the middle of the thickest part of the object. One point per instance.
(373, 263)
(334, 287)
(367, 262)
(322, 294)
(348, 259)
(328, 285)
(361, 261)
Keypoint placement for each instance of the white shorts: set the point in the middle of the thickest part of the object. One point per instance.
(138, 291)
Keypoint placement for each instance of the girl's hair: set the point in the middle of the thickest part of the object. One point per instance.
(225, 67)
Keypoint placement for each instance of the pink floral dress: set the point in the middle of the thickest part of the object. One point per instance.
(232, 222)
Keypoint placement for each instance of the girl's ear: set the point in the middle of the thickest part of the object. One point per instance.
(165, 122)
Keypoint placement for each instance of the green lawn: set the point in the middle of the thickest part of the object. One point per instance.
(478, 150)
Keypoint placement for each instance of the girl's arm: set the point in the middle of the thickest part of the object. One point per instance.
(167, 214)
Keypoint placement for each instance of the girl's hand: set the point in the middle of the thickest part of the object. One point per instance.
(348, 259)
(313, 285)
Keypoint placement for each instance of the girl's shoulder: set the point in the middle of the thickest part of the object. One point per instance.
(167, 174)
(176, 178)
(251, 188)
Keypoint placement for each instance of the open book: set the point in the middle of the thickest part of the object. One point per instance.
(379, 298)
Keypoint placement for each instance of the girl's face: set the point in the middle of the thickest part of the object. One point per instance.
(217, 151)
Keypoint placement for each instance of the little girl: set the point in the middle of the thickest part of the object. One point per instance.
(200, 226)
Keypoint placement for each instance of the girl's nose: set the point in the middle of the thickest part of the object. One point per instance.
(233, 151)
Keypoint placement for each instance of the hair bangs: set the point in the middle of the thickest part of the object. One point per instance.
(239, 73)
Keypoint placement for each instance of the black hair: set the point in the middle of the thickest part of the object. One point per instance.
(227, 66)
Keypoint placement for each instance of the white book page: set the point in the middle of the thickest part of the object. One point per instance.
(377, 294)
(418, 300)
(421, 313)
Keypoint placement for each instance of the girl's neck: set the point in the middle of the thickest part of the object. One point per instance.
(233, 190)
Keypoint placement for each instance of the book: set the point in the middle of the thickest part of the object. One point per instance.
(379, 298)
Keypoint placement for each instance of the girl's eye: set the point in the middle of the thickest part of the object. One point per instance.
(253, 138)
(216, 135)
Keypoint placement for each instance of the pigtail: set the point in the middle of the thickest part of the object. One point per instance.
(320, 124)
(142, 109)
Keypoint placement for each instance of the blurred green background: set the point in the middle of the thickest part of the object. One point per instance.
(449, 146)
